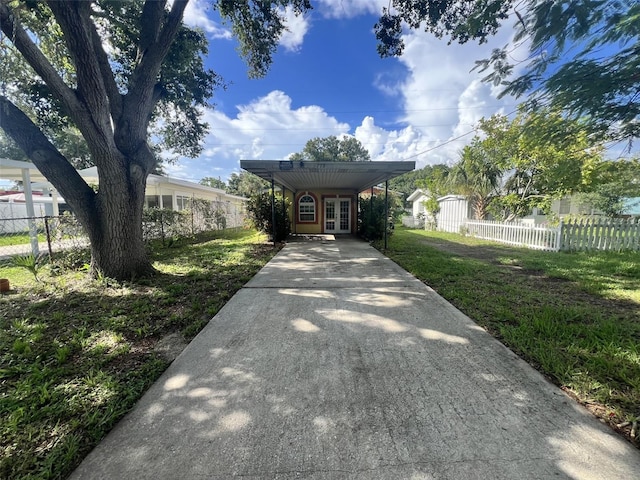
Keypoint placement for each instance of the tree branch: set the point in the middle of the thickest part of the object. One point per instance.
(147, 70)
(46, 157)
(140, 98)
(115, 98)
(151, 20)
(14, 31)
(74, 18)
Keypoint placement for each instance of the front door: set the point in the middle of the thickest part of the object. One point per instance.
(337, 215)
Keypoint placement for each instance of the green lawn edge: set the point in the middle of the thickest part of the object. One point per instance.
(573, 316)
(76, 354)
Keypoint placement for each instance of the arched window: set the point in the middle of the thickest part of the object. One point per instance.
(307, 209)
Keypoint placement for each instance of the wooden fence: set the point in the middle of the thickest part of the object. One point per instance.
(591, 234)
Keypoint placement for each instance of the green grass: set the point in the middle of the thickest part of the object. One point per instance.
(76, 353)
(19, 239)
(574, 316)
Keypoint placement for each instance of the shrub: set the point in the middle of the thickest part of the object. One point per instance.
(165, 224)
(260, 215)
(371, 217)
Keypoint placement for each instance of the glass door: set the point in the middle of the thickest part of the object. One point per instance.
(337, 215)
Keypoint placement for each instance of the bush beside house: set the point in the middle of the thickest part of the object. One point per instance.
(261, 215)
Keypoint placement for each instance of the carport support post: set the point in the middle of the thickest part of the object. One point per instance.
(31, 213)
(386, 211)
(370, 212)
(273, 211)
(284, 205)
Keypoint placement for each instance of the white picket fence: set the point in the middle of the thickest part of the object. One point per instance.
(590, 234)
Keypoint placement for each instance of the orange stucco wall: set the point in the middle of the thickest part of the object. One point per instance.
(317, 227)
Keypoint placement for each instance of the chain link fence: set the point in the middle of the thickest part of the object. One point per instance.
(40, 235)
(48, 235)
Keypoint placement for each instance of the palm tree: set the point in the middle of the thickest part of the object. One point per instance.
(476, 177)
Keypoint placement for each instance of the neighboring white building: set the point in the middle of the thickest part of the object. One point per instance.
(417, 200)
(176, 194)
(16, 203)
(454, 210)
(163, 192)
(418, 212)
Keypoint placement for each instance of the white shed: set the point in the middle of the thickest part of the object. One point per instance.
(454, 210)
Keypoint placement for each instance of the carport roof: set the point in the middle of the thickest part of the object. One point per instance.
(354, 176)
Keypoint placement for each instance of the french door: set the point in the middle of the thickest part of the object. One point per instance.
(337, 215)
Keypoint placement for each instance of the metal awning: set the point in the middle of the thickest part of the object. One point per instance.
(353, 176)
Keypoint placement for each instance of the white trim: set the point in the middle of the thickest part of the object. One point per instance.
(337, 199)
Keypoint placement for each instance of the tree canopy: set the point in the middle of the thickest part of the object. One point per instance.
(246, 184)
(543, 156)
(477, 177)
(129, 77)
(582, 54)
(213, 182)
(332, 149)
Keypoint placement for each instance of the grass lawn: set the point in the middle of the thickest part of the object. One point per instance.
(76, 353)
(574, 316)
(19, 239)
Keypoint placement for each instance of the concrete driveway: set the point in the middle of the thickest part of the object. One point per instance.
(333, 362)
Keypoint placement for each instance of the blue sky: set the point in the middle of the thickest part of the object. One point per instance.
(327, 79)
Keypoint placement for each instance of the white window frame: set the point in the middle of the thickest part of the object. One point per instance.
(314, 208)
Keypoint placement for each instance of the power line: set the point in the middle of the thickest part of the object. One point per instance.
(364, 112)
(451, 140)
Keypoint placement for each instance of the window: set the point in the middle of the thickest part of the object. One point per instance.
(307, 209)
(152, 201)
(183, 202)
(167, 202)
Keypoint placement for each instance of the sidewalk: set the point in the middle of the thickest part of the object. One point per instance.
(332, 363)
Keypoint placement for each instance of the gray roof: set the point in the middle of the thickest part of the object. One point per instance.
(353, 176)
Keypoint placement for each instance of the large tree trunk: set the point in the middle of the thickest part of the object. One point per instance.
(114, 125)
(117, 245)
(112, 218)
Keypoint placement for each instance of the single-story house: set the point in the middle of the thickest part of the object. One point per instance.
(417, 200)
(175, 194)
(163, 192)
(572, 206)
(418, 210)
(14, 205)
(324, 195)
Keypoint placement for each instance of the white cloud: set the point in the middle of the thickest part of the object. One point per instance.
(350, 8)
(296, 28)
(268, 128)
(197, 15)
(440, 97)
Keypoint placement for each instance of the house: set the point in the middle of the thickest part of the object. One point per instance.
(418, 211)
(324, 195)
(573, 206)
(176, 194)
(162, 192)
(14, 205)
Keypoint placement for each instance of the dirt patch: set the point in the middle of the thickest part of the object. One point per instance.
(170, 346)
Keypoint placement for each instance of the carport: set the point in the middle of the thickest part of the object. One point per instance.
(334, 179)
